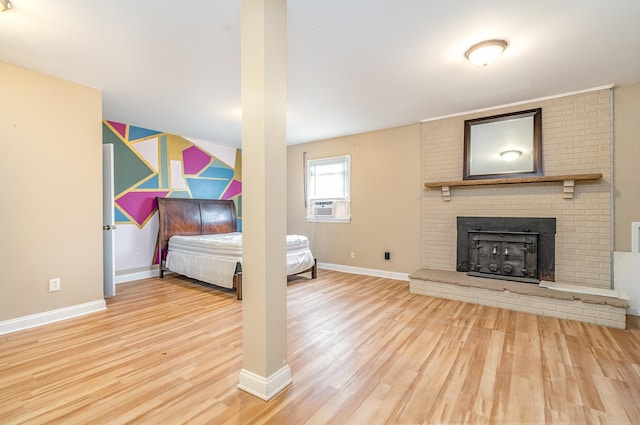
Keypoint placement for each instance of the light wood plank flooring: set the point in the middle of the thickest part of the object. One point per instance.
(362, 350)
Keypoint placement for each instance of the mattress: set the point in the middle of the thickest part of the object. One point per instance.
(213, 258)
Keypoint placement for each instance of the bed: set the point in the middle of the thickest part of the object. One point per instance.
(199, 238)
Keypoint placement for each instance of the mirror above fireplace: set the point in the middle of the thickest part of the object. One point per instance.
(500, 146)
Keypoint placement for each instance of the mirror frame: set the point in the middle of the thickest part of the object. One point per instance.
(536, 169)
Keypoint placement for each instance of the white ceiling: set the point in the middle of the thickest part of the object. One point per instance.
(353, 65)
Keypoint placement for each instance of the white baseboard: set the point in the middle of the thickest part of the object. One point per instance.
(364, 271)
(265, 388)
(52, 316)
(130, 275)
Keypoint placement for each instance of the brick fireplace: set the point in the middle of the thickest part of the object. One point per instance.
(576, 139)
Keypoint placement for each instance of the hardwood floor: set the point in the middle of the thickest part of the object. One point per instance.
(362, 350)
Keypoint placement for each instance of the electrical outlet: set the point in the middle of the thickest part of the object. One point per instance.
(137, 255)
(54, 284)
(387, 255)
(353, 255)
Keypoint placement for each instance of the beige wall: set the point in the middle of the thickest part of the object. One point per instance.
(51, 208)
(626, 197)
(386, 192)
(576, 139)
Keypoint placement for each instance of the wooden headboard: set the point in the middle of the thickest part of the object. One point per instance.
(186, 216)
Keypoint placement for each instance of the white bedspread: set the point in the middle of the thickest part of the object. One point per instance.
(213, 258)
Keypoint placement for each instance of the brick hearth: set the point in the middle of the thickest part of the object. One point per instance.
(523, 297)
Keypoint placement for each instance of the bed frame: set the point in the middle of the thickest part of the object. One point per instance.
(188, 216)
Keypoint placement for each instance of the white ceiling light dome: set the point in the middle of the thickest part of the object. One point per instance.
(5, 5)
(485, 52)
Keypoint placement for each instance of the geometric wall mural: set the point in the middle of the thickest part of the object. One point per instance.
(150, 164)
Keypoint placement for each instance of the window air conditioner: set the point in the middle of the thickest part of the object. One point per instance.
(323, 208)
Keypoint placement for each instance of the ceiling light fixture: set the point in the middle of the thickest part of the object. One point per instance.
(510, 155)
(485, 52)
(5, 5)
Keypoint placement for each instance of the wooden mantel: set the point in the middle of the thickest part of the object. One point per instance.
(568, 182)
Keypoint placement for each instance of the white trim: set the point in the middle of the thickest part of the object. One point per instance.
(612, 179)
(627, 274)
(137, 274)
(328, 220)
(363, 271)
(52, 316)
(635, 236)
(539, 99)
(265, 388)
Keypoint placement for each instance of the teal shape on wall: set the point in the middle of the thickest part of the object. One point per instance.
(206, 188)
(180, 194)
(140, 133)
(218, 172)
(130, 168)
(119, 217)
(152, 183)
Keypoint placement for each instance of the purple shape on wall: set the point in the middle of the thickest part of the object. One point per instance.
(194, 160)
(120, 128)
(140, 205)
(235, 188)
(156, 257)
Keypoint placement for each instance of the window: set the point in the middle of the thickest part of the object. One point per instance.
(327, 189)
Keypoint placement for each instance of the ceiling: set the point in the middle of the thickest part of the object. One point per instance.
(353, 65)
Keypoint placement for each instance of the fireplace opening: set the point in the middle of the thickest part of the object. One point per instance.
(509, 248)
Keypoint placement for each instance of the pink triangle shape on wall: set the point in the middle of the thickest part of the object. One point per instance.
(140, 205)
(120, 128)
(235, 188)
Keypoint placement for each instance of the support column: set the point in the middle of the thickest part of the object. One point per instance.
(265, 371)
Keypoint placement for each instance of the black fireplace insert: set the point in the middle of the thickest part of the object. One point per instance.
(510, 248)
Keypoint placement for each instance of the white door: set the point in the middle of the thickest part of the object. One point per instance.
(108, 222)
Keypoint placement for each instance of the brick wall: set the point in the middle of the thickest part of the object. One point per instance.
(576, 139)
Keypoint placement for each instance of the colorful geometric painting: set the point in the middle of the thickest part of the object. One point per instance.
(150, 164)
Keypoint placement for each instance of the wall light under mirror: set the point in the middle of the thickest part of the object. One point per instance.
(510, 155)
